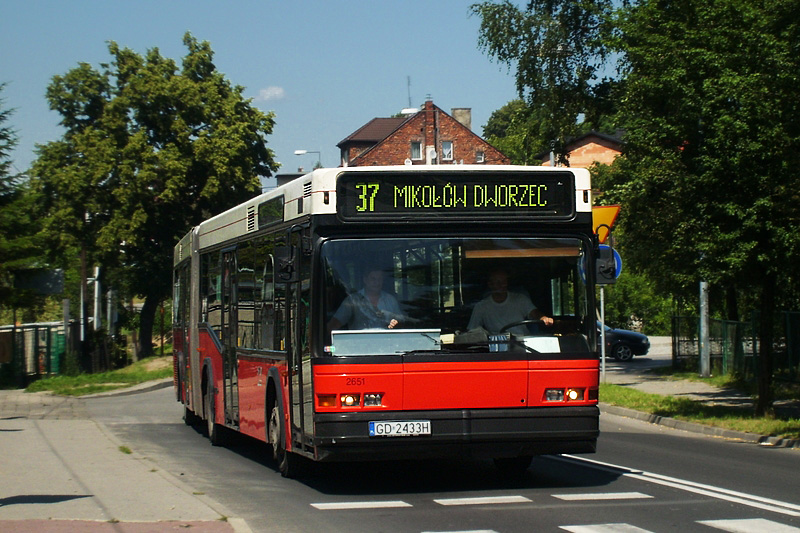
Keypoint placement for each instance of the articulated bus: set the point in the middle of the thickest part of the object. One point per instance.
(337, 317)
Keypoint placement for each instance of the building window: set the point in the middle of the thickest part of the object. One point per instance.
(480, 157)
(447, 150)
(416, 150)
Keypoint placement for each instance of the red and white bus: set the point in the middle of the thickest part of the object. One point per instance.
(336, 317)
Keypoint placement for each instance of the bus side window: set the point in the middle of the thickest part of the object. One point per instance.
(248, 295)
(212, 297)
(279, 312)
(266, 319)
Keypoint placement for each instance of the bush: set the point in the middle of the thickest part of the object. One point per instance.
(633, 297)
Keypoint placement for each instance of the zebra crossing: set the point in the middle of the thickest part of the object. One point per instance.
(739, 525)
(742, 525)
(740, 500)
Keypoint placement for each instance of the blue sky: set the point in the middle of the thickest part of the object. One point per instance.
(324, 67)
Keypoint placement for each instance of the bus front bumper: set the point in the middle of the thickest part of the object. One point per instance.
(468, 433)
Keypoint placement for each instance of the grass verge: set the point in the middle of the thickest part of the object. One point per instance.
(735, 418)
(145, 370)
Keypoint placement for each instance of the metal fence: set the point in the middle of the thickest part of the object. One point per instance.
(31, 351)
(734, 345)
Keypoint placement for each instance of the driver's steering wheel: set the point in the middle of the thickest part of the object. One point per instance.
(520, 323)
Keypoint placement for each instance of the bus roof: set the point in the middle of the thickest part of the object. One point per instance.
(315, 193)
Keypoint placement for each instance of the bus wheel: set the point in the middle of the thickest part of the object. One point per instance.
(213, 429)
(513, 466)
(288, 463)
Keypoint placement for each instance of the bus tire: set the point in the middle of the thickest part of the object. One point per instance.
(213, 430)
(288, 462)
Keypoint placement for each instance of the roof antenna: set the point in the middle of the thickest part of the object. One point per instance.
(408, 82)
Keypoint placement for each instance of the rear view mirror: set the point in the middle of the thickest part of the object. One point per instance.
(285, 264)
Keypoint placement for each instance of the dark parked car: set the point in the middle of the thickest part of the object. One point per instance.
(622, 344)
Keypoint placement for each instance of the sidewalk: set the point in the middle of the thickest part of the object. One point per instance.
(636, 375)
(63, 472)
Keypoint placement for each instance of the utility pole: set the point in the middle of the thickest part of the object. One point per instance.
(705, 346)
(98, 302)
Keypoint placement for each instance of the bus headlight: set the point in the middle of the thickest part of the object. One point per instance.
(562, 395)
(574, 394)
(554, 395)
(351, 400)
(373, 400)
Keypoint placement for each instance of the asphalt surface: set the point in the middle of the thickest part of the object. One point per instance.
(64, 472)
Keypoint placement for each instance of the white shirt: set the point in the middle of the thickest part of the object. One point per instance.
(493, 316)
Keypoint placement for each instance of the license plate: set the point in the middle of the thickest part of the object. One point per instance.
(406, 428)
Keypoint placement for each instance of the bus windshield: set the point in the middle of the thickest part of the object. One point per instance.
(404, 295)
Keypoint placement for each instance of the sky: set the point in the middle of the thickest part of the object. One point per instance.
(324, 67)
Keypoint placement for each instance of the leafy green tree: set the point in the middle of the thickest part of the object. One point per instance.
(514, 130)
(8, 194)
(8, 140)
(523, 133)
(558, 52)
(151, 148)
(708, 179)
(634, 297)
(18, 244)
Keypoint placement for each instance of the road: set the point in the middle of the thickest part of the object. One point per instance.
(643, 478)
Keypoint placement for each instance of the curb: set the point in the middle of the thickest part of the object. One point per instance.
(754, 438)
(135, 389)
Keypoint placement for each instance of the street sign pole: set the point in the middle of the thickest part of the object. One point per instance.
(602, 333)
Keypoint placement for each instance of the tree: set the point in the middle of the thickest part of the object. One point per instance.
(708, 178)
(8, 194)
(8, 140)
(18, 244)
(523, 132)
(515, 131)
(150, 149)
(558, 51)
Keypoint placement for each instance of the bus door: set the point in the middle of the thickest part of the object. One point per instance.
(229, 337)
(299, 349)
(180, 329)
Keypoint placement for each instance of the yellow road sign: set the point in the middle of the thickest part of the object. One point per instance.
(603, 218)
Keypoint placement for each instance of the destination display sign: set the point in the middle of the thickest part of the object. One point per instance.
(544, 194)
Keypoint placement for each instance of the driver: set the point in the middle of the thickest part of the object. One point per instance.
(369, 308)
(501, 307)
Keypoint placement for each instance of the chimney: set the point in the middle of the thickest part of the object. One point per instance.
(463, 115)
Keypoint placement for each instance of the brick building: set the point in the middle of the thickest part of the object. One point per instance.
(429, 136)
(586, 150)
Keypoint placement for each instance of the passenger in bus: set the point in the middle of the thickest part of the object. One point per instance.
(369, 308)
(502, 307)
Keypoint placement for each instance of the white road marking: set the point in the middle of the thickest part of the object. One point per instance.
(711, 491)
(483, 500)
(749, 525)
(605, 528)
(338, 506)
(602, 496)
(469, 531)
